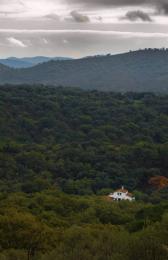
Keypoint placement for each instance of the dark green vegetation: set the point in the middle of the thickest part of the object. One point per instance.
(61, 151)
(138, 71)
(81, 141)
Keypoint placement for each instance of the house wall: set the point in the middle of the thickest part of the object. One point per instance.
(120, 196)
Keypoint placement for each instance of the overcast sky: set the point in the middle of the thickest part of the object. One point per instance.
(77, 28)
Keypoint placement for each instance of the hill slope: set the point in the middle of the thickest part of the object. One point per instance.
(28, 62)
(81, 141)
(135, 71)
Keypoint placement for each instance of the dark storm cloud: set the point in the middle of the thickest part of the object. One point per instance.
(119, 2)
(111, 2)
(160, 5)
(137, 15)
(163, 9)
(79, 18)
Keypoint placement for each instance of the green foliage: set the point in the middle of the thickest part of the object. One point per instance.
(61, 152)
(80, 141)
(53, 225)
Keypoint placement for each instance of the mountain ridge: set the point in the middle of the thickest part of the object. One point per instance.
(27, 62)
(138, 71)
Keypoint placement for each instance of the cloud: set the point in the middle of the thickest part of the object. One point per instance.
(79, 18)
(52, 16)
(45, 41)
(16, 43)
(77, 43)
(118, 2)
(65, 41)
(160, 5)
(163, 9)
(10, 12)
(39, 33)
(137, 15)
(112, 2)
(14, 7)
(99, 18)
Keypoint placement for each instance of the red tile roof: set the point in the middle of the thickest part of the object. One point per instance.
(122, 190)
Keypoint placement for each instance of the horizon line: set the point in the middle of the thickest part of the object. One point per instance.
(89, 56)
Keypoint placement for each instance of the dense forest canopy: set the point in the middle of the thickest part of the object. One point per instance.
(81, 141)
(62, 150)
(51, 225)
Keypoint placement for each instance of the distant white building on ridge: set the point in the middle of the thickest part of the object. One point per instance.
(121, 194)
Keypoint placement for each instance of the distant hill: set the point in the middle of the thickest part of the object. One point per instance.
(144, 70)
(28, 62)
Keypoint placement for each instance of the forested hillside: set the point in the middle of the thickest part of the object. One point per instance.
(28, 62)
(62, 151)
(53, 226)
(81, 141)
(139, 71)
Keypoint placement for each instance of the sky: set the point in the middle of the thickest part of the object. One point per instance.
(78, 28)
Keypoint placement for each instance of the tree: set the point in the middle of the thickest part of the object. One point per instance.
(24, 231)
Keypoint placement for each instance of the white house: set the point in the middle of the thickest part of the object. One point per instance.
(121, 194)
